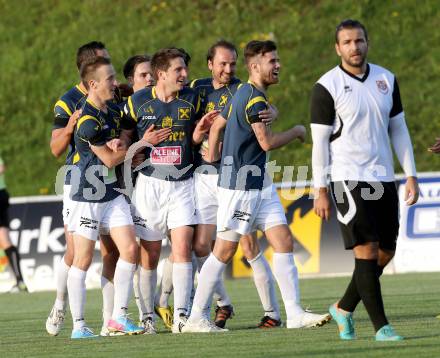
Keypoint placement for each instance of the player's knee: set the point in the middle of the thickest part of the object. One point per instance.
(202, 249)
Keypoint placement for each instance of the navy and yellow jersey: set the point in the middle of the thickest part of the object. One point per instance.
(240, 143)
(68, 103)
(95, 127)
(169, 158)
(212, 99)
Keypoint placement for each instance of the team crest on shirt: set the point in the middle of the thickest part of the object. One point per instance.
(210, 107)
(167, 122)
(223, 100)
(184, 113)
(382, 86)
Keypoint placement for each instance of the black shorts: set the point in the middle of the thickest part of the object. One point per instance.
(4, 205)
(367, 213)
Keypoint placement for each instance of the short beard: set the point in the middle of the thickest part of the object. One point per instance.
(357, 65)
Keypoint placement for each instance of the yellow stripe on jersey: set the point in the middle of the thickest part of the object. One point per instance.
(92, 104)
(130, 105)
(255, 100)
(79, 89)
(86, 117)
(198, 104)
(153, 92)
(63, 105)
(193, 82)
(76, 158)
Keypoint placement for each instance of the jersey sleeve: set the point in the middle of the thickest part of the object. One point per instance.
(397, 101)
(226, 111)
(322, 106)
(129, 119)
(62, 113)
(253, 107)
(89, 129)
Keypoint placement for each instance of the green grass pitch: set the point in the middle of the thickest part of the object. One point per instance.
(411, 302)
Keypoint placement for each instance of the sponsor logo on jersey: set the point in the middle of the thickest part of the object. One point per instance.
(347, 88)
(241, 216)
(171, 155)
(223, 100)
(382, 86)
(149, 109)
(210, 107)
(184, 113)
(146, 118)
(167, 122)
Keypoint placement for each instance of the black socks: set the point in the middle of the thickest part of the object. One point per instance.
(365, 286)
(351, 296)
(14, 260)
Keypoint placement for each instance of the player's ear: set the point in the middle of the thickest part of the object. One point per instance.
(337, 49)
(92, 83)
(210, 65)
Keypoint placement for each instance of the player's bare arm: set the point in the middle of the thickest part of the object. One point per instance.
(108, 156)
(61, 137)
(269, 140)
(215, 132)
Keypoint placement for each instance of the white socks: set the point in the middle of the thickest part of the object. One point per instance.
(62, 272)
(286, 274)
(147, 287)
(182, 275)
(209, 276)
(123, 282)
(166, 284)
(136, 291)
(76, 286)
(108, 296)
(220, 294)
(265, 286)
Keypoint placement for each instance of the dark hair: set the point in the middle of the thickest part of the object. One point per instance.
(350, 24)
(88, 51)
(161, 59)
(132, 62)
(257, 47)
(186, 56)
(89, 68)
(220, 43)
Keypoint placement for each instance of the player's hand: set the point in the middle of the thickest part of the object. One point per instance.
(268, 115)
(116, 145)
(300, 133)
(436, 147)
(321, 203)
(411, 191)
(206, 122)
(72, 120)
(155, 137)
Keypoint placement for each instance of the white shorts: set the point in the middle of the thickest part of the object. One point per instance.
(206, 198)
(162, 205)
(91, 219)
(67, 205)
(246, 211)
